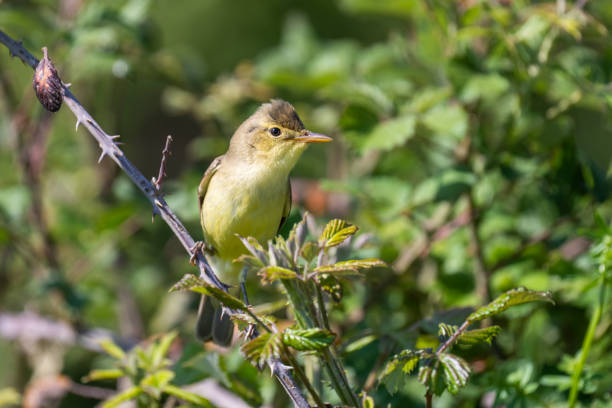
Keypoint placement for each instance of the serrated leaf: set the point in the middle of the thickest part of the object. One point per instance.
(95, 375)
(109, 346)
(350, 267)
(446, 330)
(336, 232)
(510, 298)
(431, 376)
(456, 371)
(123, 396)
(262, 348)
(187, 396)
(158, 379)
(308, 339)
(330, 285)
(473, 337)
(401, 365)
(199, 285)
(269, 274)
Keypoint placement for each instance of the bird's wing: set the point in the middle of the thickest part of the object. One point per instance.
(203, 187)
(286, 207)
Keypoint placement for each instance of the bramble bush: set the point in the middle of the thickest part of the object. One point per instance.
(471, 148)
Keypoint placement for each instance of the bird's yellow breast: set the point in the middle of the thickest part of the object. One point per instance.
(245, 202)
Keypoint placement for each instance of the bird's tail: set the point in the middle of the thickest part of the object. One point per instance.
(213, 324)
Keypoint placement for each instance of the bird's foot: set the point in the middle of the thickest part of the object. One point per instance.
(200, 247)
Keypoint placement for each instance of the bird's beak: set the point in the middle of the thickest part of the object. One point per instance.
(311, 137)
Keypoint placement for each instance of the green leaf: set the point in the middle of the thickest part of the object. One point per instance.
(351, 267)
(187, 396)
(308, 339)
(255, 248)
(473, 337)
(390, 134)
(158, 380)
(109, 374)
(123, 396)
(431, 377)
(269, 274)
(330, 285)
(511, 298)
(450, 120)
(309, 250)
(336, 232)
(401, 365)
(456, 371)
(262, 348)
(161, 349)
(111, 348)
(199, 285)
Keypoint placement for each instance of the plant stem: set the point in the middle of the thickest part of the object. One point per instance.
(588, 340)
(302, 376)
(306, 316)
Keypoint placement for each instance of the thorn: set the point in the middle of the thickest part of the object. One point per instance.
(101, 156)
(119, 143)
(67, 85)
(273, 366)
(78, 122)
(115, 137)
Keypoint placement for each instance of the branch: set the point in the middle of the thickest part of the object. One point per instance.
(110, 148)
(157, 182)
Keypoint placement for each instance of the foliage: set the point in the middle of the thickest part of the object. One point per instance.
(149, 373)
(471, 147)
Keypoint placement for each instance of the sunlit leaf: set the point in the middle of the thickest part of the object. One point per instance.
(308, 339)
(199, 285)
(456, 371)
(510, 298)
(262, 348)
(123, 396)
(109, 374)
(401, 365)
(351, 266)
(158, 379)
(269, 274)
(477, 336)
(336, 232)
(109, 346)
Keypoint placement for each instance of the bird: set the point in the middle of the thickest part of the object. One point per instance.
(246, 192)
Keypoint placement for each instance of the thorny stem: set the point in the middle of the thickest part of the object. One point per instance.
(302, 376)
(110, 148)
(157, 182)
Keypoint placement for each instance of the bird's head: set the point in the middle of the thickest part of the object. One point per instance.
(274, 136)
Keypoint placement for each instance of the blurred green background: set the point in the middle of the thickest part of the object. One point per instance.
(472, 148)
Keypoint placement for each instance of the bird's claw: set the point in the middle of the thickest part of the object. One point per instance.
(200, 247)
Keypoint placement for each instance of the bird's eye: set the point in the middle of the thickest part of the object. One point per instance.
(275, 132)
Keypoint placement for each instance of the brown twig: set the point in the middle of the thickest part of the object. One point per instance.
(110, 149)
(157, 182)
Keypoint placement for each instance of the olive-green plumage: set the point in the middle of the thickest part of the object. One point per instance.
(246, 191)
